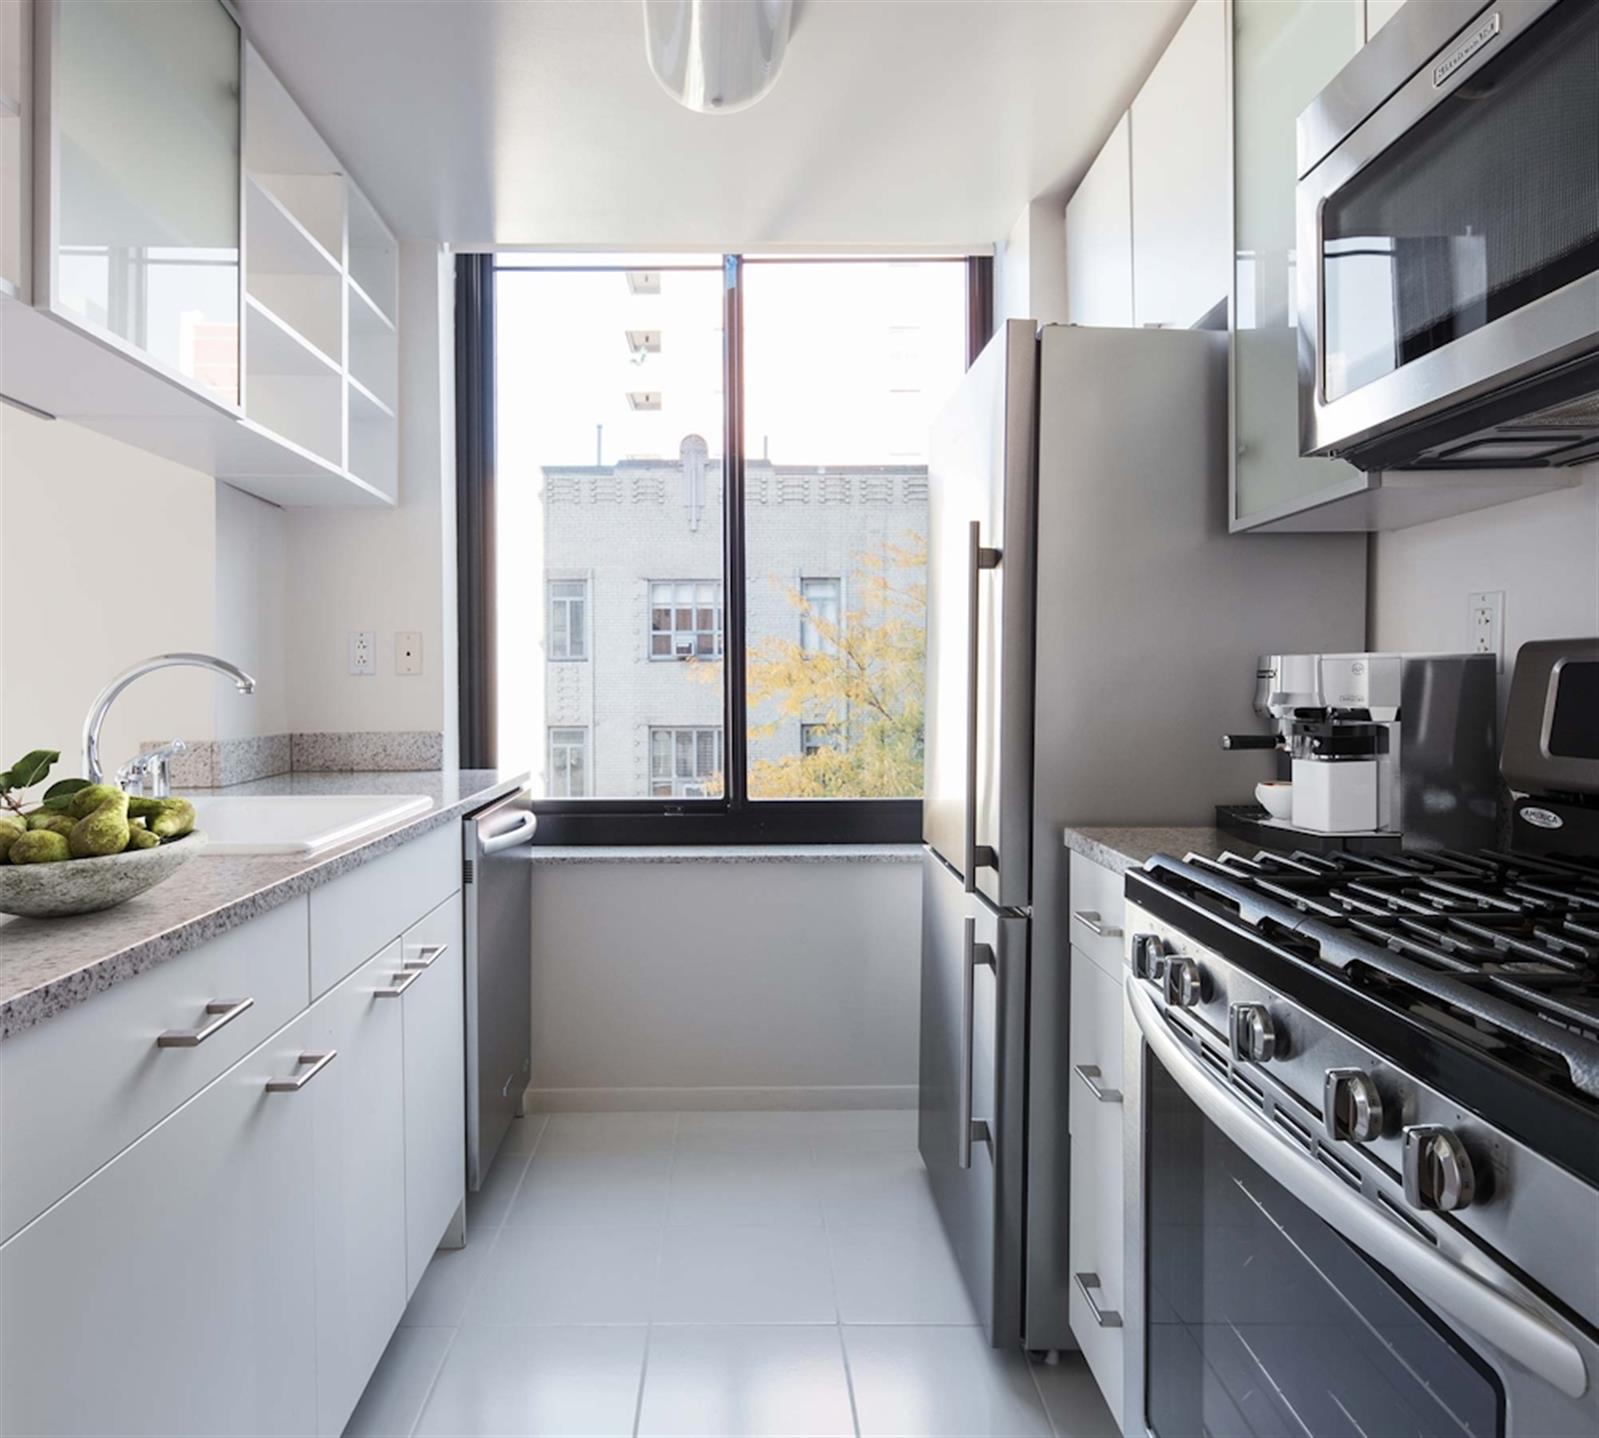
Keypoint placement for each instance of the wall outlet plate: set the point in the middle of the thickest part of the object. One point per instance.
(408, 652)
(363, 651)
(1486, 612)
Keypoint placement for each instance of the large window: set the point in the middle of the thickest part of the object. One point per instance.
(703, 459)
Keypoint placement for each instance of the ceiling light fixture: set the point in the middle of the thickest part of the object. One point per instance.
(716, 55)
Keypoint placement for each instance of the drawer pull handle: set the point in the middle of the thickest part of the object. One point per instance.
(222, 1012)
(312, 1064)
(1090, 919)
(426, 955)
(401, 983)
(1104, 1317)
(1090, 1075)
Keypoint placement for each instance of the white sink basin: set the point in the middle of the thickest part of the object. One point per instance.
(299, 824)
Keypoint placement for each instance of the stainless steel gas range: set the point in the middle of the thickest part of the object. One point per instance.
(1363, 1146)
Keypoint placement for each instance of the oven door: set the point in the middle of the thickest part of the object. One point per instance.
(1450, 241)
(1269, 1299)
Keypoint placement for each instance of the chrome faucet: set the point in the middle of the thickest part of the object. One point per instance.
(147, 768)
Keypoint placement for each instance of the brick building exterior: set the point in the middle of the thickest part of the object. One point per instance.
(633, 563)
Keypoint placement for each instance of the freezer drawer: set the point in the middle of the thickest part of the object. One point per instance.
(971, 1131)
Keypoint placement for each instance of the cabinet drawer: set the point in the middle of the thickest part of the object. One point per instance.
(1097, 904)
(355, 916)
(79, 1088)
(1096, 1044)
(435, 1083)
(1095, 1247)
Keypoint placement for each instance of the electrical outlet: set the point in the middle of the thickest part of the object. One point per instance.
(408, 652)
(363, 651)
(1486, 608)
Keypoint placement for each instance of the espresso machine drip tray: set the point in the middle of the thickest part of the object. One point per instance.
(1253, 823)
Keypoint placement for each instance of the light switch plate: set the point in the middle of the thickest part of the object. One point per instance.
(408, 652)
(363, 651)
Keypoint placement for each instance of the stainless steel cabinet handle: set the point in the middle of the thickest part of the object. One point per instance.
(967, 1129)
(223, 1012)
(1090, 920)
(312, 1064)
(978, 856)
(425, 956)
(401, 983)
(1090, 1075)
(1104, 1317)
(1477, 1300)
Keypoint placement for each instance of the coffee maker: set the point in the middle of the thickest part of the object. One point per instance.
(1383, 750)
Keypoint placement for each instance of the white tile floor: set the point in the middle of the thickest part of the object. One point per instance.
(710, 1274)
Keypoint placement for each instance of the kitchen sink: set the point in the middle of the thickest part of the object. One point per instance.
(299, 825)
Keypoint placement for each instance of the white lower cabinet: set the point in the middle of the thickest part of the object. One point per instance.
(173, 1292)
(360, 1182)
(435, 1069)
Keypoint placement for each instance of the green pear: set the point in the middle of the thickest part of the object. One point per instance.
(12, 828)
(87, 800)
(39, 846)
(50, 819)
(105, 831)
(140, 838)
(172, 819)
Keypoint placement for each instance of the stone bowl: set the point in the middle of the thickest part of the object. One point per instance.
(84, 886)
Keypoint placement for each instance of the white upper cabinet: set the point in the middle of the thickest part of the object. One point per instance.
(16, 160)
(1379, 13)
(144, 215)
(1099, 237)
(1181, 241)
(1284, 53)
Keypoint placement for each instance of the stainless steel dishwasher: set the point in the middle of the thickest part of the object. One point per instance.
(497, 892)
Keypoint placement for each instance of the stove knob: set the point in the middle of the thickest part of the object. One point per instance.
(1148, 951)
(1180, 979)
(1351, 1106)
(1437, 1169)
(1252, 1033)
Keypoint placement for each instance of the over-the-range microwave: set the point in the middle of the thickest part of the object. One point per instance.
(1448, 242)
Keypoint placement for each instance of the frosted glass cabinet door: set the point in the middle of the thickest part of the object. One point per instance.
(146, 107)
(1284, 53)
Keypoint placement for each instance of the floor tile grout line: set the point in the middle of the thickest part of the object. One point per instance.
(1038, 1388)
(655, 1280)
(433, 1383)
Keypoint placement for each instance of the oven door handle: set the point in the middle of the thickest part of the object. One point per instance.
(1512, 1328)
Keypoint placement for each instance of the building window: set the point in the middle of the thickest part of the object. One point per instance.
(568, 605)
(569, 763)
(685, 763)
(819, 614)
(685, 619)
(814, 738)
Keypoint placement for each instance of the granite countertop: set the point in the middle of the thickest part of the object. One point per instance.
(50, 965)
(1121, 849)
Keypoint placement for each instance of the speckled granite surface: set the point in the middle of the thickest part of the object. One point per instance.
(1122, 849)
(369, 751)
(49, 965)
(740, 854)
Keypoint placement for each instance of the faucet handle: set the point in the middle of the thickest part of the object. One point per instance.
(150, 773)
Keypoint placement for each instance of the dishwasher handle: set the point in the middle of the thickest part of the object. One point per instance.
(523, 829)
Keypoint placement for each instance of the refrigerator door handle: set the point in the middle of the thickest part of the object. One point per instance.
(978, 856)
(970, 1130)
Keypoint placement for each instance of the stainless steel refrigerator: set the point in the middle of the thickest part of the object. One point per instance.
(1092, 630)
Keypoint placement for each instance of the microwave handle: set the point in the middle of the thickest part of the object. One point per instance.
(1513, 1329)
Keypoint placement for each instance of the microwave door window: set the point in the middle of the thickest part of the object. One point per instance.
(1489, 202)
(1263, 1322)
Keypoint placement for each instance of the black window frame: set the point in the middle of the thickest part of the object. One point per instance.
(733, 817)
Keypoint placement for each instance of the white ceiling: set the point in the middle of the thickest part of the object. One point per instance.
(893, 122)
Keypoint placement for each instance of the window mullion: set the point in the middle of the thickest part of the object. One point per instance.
(735, 728)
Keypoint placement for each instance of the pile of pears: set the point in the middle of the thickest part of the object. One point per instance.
(99, 819)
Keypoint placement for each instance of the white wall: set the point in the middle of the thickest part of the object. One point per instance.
(763, 984)
(251, 589)
(387, 570)
(1543, 552)
(1030, 265)
(106, 557)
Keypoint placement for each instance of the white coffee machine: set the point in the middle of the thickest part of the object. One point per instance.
(1388, 746)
